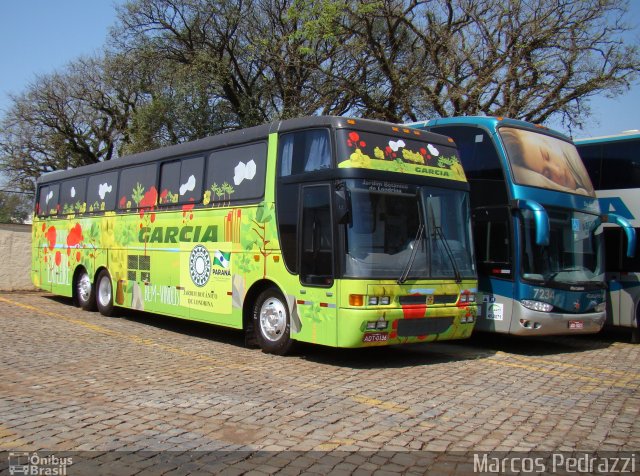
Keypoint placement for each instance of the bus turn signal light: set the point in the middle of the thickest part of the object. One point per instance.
(356, 300)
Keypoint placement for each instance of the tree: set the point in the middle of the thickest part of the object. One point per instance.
(180, 70)
(15, 207)
(526, 60)
(67, 119)
(409, 59)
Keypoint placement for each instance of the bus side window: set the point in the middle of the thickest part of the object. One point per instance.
(493, 243)
(316, 245)
(48, 202)
(101, 192)
(138, 187)
(236, 175)
(181, 181)
(304, 151)
(72, 196)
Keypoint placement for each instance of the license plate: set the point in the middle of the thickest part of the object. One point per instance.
(375, 337)
(576, 325)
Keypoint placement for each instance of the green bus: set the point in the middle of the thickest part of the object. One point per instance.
(329, 230)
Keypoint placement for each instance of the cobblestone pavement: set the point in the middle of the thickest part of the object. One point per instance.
(159, 387)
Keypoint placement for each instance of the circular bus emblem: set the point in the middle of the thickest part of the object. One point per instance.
(199, 265)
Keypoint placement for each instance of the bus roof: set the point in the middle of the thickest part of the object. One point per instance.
(230, 139)
(624, 135)
(490, 122)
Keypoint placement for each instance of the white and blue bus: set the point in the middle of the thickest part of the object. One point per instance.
(613, 162)
(537, 227)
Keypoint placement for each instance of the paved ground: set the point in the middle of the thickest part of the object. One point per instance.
(77, 381)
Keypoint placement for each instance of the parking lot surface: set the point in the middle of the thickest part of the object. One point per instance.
(188, 396)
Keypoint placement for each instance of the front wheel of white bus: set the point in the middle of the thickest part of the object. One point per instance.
(104, 293)
(85, 291)
(272, 323)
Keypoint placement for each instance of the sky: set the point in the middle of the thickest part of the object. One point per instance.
(42, 36)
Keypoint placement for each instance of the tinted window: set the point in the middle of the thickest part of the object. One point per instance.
(592, 158)
(491, 232)
(477, 151)
(72, 196)
(304, 151)
(616, 259)
(101, 192)
(181, 181)
(316, 257)
(48, 200)
(235, 174)
(612, 165)
(138, 187)
(621, 165)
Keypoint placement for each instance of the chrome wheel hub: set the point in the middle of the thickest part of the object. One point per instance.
(84, 287)
(104, 291)
(273, 319)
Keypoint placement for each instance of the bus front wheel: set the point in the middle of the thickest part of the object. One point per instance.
(104, 293)
(85, 291)
(271, 322)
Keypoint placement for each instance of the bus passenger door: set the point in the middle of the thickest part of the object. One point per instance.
(317, 300)
(494, 243)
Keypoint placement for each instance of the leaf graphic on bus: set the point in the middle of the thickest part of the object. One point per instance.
(138, 193)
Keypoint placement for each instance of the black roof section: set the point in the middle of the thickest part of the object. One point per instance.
(230, 139)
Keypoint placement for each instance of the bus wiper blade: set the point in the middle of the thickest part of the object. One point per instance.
(447, 248)
(412, 256)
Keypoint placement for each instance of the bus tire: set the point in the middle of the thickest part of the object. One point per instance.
(85, 291)
(104, 293)
(272, 323)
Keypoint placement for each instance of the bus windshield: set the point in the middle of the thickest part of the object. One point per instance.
(573, 256)
(401, 230)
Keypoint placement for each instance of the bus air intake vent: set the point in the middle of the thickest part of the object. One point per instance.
(421, 327)
(412, 300)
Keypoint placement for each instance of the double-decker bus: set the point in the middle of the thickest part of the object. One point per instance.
(329, 230)
(613, 163)
(537, 227)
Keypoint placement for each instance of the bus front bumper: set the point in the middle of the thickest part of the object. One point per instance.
(527, 322)
(364, 327)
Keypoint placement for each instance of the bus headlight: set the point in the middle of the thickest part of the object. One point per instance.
(536, 305)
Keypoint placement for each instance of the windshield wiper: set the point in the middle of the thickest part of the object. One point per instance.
(412, 257)
(552, 276)
(447, 248)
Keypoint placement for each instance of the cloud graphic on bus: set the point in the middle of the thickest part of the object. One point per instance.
(104, 189)
(189, 186)
(244, 172)
(433, 150)
(395, 145)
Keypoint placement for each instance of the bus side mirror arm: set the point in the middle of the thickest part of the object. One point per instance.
(628, 229)
(540, 217)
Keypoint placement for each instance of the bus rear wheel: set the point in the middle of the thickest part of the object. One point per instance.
(272, 323)
(85, 291)
(104, 293)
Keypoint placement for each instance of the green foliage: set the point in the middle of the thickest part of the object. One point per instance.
(14, 207)
(182, 70)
